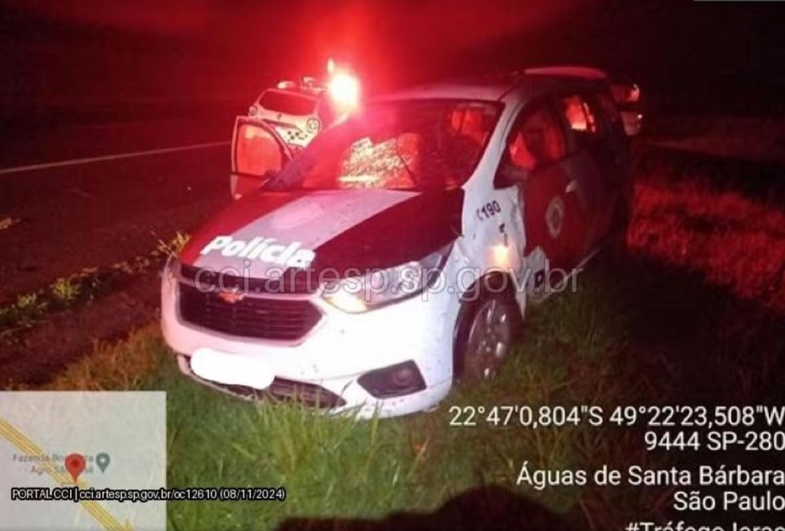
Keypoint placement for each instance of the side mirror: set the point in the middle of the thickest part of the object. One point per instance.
(632, 122)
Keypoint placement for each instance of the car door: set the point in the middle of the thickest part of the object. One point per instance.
(553, 218)
(617, 156)
(594, 161)
(258, 152)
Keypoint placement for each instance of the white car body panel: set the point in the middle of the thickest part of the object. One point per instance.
(343, 347)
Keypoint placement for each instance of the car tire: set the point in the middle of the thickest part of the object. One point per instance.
(488, 325)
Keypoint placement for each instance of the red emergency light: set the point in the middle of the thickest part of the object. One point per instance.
(343, 87)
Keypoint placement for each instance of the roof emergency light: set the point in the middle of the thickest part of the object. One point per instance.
(344, 90)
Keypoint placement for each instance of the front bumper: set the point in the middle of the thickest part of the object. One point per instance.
(330, 360)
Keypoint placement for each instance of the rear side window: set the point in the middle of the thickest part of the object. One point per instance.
(287, 103)
(579, 115)
(536, 140)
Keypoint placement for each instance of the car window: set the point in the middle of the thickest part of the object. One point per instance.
(287, 103)
(257, 150)
(407, 144)
(580, 116)
(536, 139)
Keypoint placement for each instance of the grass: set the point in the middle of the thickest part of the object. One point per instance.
(23, 311)
(125, 365)
(65, 290)
(751, 138)
(732, 241)
(173, 247)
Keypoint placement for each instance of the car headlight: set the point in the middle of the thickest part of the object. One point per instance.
(377, 288)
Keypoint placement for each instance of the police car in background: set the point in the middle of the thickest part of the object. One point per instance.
(400, 249)
(295, 112)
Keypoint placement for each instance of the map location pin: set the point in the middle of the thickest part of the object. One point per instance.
(102, 460)
(75, 464)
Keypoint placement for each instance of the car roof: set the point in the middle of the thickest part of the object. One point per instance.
(525, 84)
(295, 91)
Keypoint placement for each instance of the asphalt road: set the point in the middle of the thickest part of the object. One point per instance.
(80, 195)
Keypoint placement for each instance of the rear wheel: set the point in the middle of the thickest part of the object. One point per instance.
(486, 332)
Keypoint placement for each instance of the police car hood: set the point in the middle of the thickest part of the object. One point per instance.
(267, 232)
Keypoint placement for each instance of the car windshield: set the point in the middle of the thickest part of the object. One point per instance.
(411, 145)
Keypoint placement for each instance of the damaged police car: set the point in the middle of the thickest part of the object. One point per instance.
(398, 251)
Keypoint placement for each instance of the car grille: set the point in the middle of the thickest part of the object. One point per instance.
(253, 317)
(293, 281)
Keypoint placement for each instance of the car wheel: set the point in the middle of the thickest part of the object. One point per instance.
(485, 335)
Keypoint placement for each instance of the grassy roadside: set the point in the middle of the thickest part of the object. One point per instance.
(83, 287)
(346, 468)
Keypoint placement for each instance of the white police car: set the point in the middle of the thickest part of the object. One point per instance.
(295, 112)
(399, 250)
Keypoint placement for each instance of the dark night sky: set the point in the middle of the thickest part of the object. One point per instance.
(716, 57)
